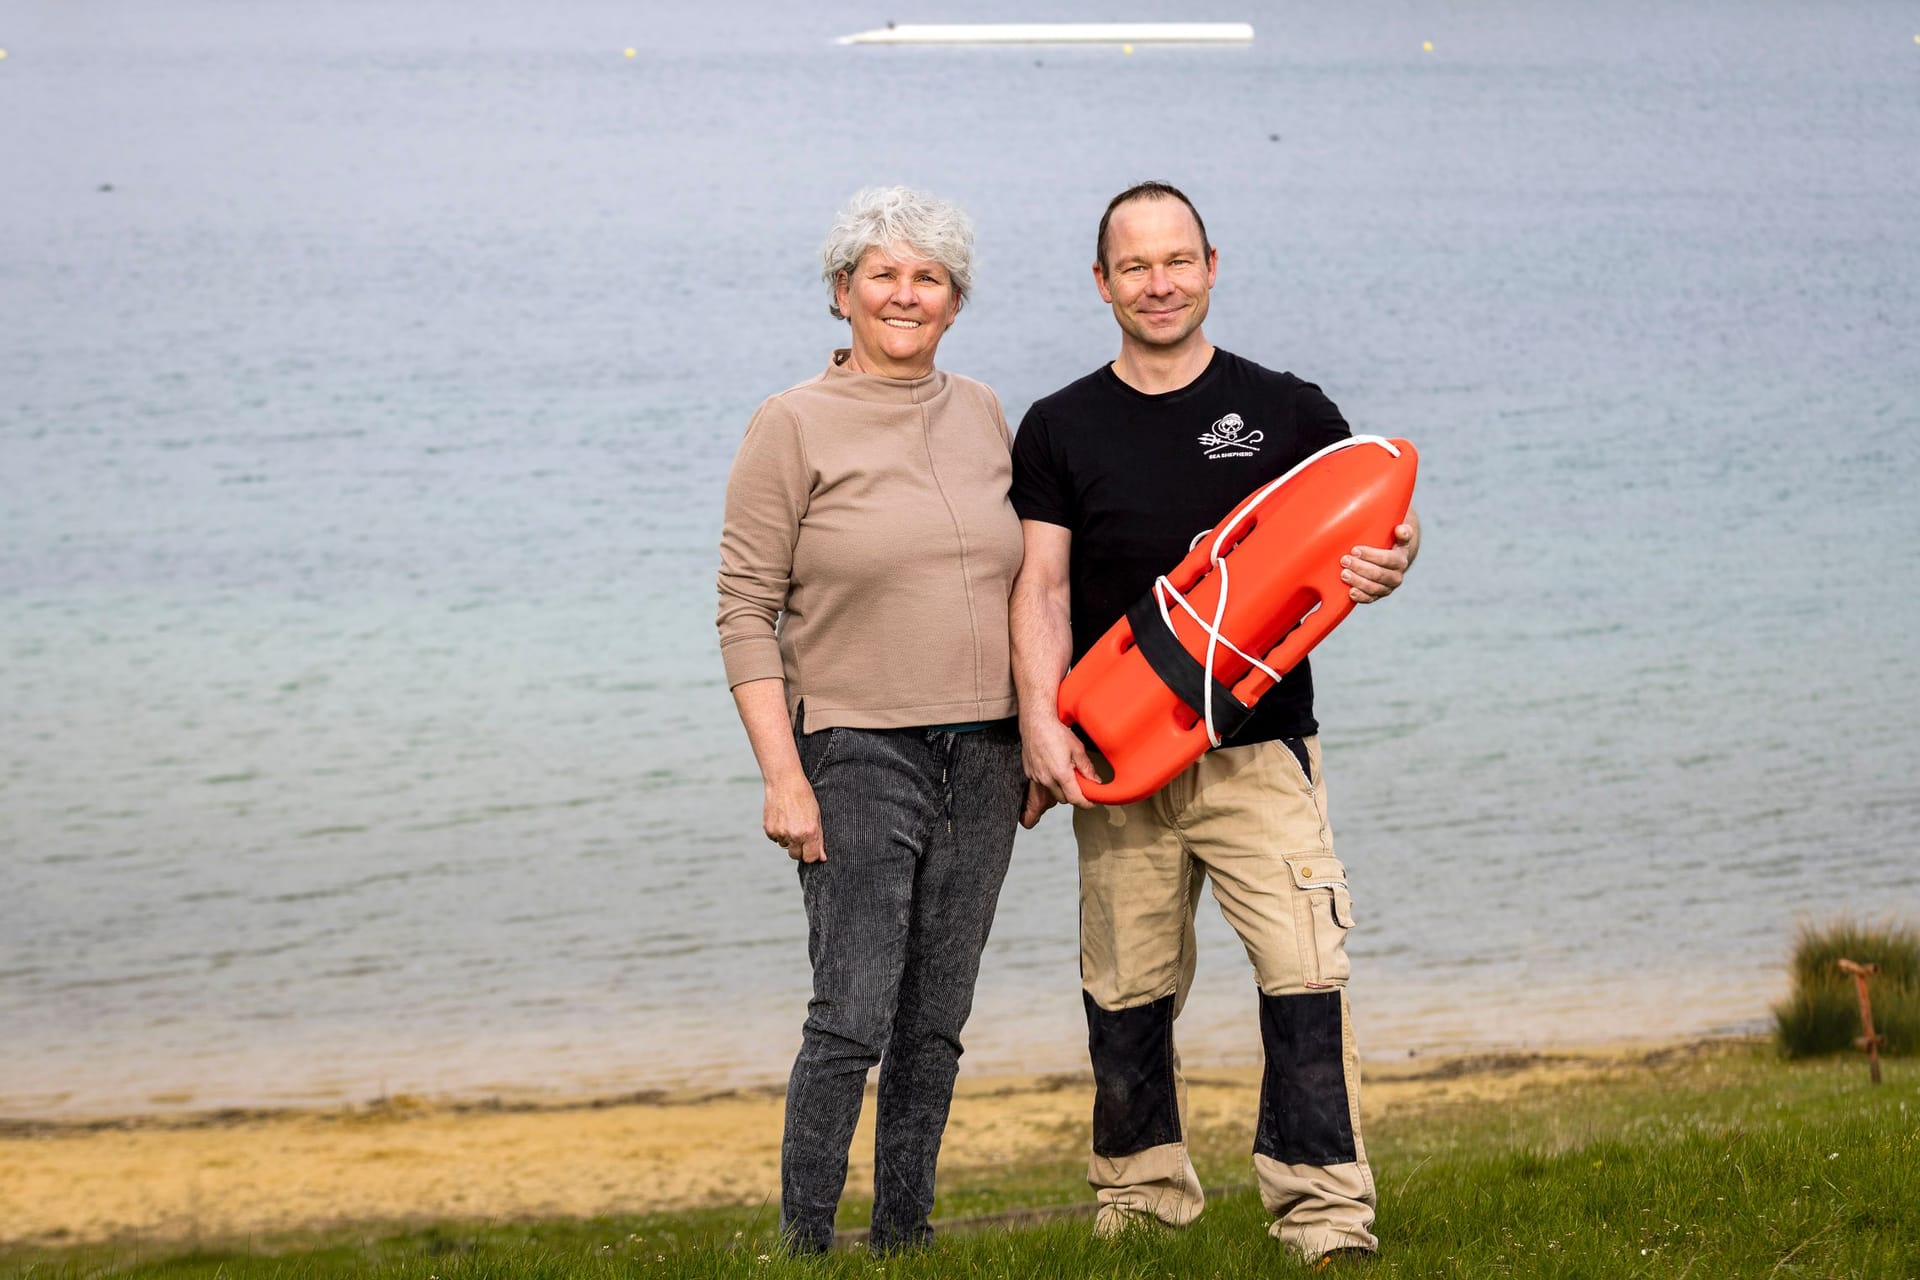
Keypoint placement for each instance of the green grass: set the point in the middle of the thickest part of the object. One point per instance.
(1722, 1162)
(1822, 1015)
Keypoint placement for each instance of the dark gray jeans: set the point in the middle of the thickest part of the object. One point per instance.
(918, 826)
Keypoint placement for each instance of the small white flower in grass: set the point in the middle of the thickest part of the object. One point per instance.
(1833, 1155)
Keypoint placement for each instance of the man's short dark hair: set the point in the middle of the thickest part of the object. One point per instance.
(1149, 191)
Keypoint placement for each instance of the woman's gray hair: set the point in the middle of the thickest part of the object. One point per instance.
(880, 216)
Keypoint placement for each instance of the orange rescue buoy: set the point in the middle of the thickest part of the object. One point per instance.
(1185, 666)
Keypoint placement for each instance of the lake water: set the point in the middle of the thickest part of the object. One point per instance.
(369, 377)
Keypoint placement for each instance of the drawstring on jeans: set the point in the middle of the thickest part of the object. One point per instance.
(946, 775)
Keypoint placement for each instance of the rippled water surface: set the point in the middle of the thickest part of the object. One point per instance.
(368, 382)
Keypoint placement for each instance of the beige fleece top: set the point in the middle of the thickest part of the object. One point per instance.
(869, 548)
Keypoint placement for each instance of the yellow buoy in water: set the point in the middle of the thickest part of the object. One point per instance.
(633, 53)
(1427, 46)
(1126, 48)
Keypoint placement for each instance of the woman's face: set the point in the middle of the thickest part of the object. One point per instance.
(899, 304)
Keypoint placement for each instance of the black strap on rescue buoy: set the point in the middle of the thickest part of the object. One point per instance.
(1180, 671)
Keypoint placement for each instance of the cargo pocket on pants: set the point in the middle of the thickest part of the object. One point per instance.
(1320, 882)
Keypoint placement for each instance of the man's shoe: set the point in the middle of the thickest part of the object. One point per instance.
(1111, 1221)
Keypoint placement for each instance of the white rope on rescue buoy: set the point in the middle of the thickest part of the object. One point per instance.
(1163, 589)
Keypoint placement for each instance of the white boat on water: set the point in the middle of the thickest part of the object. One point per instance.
(1056, 33)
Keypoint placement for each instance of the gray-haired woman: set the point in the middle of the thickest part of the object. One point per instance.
(865, 562)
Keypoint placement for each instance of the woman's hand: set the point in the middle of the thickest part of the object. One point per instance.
(792, 820)
(791, 816)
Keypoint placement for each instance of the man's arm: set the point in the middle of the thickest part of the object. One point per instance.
(1041, 620)
(1372, 573)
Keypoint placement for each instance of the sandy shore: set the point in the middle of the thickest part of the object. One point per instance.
(249, 1173)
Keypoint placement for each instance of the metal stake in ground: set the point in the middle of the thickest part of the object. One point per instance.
(1870, 1042)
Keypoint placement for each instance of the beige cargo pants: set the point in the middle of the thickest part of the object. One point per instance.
(1254, 822)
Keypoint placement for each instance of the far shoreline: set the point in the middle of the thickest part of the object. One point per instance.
(169, 1104)
(178, 1111)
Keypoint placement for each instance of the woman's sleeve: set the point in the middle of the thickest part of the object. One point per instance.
(767, 493)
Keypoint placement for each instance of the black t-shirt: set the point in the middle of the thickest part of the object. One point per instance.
(1134, 477)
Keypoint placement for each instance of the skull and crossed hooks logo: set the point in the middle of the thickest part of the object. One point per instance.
(1229, 438)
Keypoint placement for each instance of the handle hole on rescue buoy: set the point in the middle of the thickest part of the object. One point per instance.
(1193, 579)
(1244, 526)
(1273, 654)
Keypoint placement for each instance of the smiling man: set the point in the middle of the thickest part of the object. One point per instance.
(1113, 476)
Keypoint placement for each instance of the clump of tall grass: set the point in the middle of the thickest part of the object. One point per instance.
(1822, 1015)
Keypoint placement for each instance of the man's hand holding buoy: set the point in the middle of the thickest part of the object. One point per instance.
(1373, 573)
(1051, 753)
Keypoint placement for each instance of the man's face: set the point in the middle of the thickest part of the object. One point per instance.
(1158, 272)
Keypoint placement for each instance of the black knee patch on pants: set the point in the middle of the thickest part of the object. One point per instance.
(1135, 1105)
(1303, 1094)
